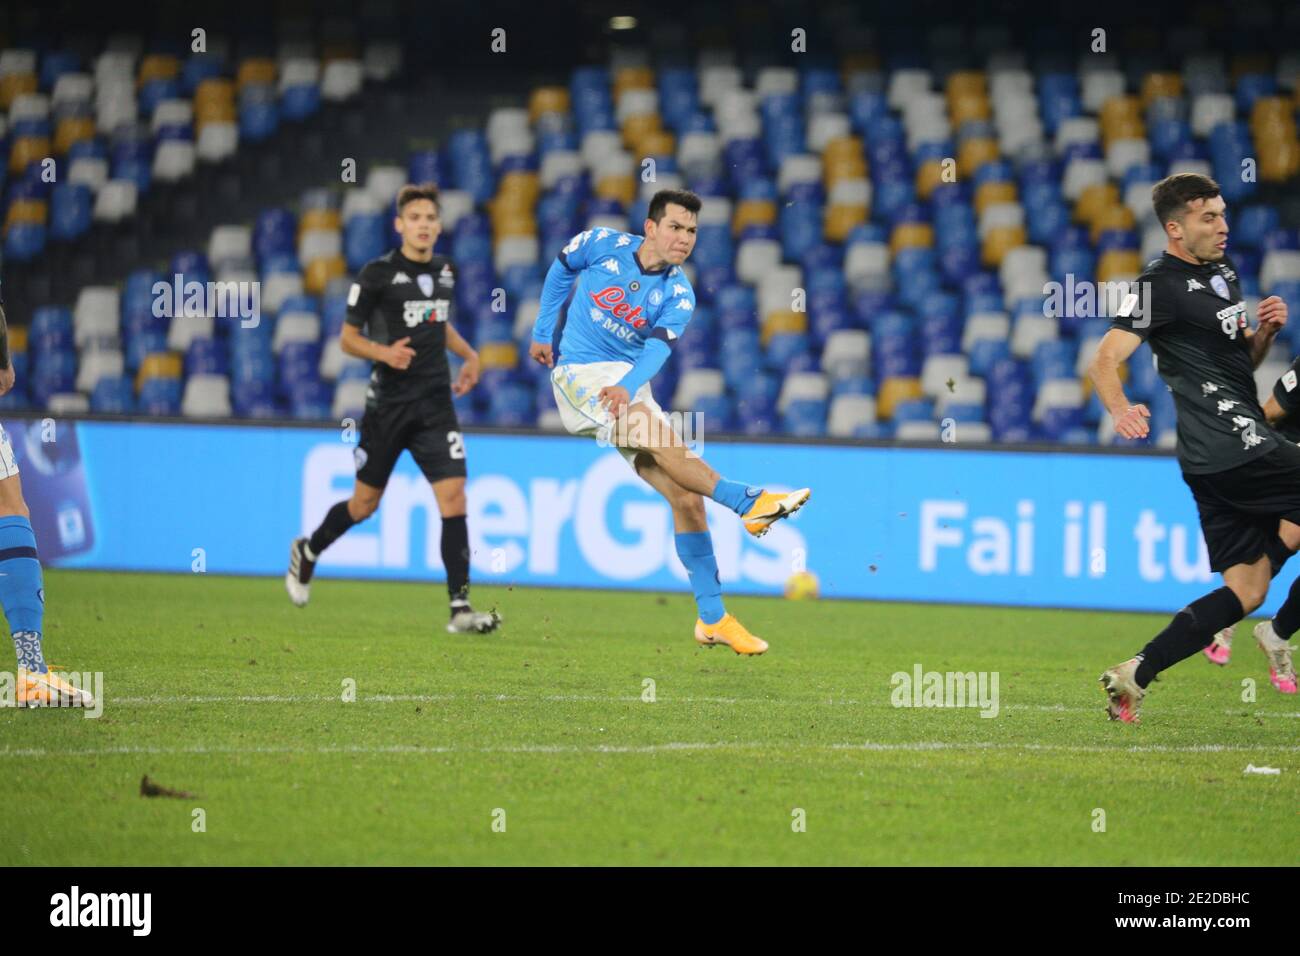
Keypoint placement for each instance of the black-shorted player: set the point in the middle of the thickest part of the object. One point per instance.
(1244, 477)
(404, 300)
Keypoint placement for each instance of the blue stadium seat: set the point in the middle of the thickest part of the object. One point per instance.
(160, 396)
(805, 418)
(113, 395)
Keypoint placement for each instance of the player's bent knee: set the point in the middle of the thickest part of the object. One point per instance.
(1251, 596)
(362, 507)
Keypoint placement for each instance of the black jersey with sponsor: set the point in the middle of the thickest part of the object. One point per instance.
(1194, 318)
(1286, 392)
(395, 297)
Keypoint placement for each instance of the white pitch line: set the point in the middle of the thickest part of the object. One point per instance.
(420, 750)
(583, 698)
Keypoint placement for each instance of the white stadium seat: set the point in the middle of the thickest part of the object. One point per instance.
(206, 396)
(848, 413)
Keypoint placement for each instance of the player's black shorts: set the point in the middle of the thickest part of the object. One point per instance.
(427, 427)
(1240, 508)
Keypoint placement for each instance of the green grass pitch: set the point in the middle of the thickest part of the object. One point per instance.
(535, 745)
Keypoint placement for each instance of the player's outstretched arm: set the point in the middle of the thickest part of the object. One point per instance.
(1114, 349)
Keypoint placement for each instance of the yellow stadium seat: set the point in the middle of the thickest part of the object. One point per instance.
(1121, 118)
(622, 188)
(1115, 217)
(27, 211)
(1279, 162)
(843, 147)
(499, 355)
(18, 338)
(753, 212)
(1094, 199)
(1117, 264)
(318, 219)
(635, 128)
(255, 71)
(633, 78)
(72, 129)
(1271, 118)
(14, 85)
(521, 186)
(839, 220)
(974, 153)
(911, 235)
(547, 99)
(844, 167)
(967, 107)
(929, 175)
(158, 66)
(1157, 84)
(518, 226)
(213, 90)
(998, 242)
(990, 194)
(784, 321)
(965, 82)
(158, 365)
(316, 275)
(658, 143)
(894, 390)
(27, 150)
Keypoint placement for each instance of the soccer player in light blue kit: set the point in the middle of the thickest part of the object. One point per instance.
(631, 305)
(22, 590)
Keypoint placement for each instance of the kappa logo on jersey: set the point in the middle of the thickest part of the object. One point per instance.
(611, 299)
(1226, 403)
(416, 311)
(400, 278)
(1193, 285)
(1208, 388)
(679, 289)
(622, 241)
(612, 266)
(686, 304)
(1249, 438)
(577, 241)
(425, 282)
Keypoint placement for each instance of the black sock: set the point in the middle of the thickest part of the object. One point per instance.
(337, 521)
(455, 558)
(1278, 554)
(1191, 629)
(1287, 619)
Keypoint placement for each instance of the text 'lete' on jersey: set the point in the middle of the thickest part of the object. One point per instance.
(617, 304)
(398, 297)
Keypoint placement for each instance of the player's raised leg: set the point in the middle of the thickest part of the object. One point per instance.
(639, 427)
(450, 494)
(304, 552)
(695, 549)
(1192, 628)
(22, 593)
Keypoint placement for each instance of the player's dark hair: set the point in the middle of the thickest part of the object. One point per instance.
(411, 192)
(680, 197)
(1171, 195)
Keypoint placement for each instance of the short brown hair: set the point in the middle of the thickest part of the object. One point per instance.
(680, 197)
(411, 192)
(1171, 195)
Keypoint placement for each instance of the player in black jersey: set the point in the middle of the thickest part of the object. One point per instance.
(405, 300)
(1244, 477)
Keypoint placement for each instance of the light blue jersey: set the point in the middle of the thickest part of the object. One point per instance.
(617, 306)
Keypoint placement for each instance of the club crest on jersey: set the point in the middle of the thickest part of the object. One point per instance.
(656, 297)
(1220, 285)
(612, 300)
(425, 282)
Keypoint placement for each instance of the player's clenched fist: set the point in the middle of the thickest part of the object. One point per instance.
(399, 354)
(540, 352)
(1272, 311)
(1133, 422)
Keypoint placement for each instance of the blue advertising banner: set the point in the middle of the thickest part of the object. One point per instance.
(942, 524)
